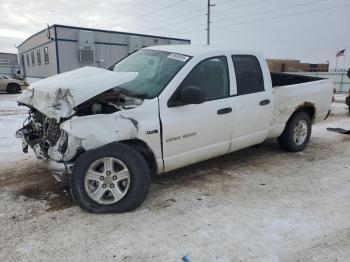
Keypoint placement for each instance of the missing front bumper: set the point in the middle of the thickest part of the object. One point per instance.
(61, 171)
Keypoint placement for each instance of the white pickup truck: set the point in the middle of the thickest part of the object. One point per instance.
(159, 109)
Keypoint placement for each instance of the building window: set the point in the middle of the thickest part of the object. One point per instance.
(28, 62)
(33, 58)
(38, 56)
(46, 55)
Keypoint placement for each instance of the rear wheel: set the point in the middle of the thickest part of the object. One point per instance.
(297, 132)
(112, 179)
(13, 88)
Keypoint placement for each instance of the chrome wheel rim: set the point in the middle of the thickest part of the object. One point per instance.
(300, 132)
(107, 180)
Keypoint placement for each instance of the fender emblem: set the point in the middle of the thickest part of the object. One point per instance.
(150, 132)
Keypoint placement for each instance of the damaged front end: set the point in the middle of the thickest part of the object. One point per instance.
(49, 142)
(59, 128)
(95, 123)
(45, 137)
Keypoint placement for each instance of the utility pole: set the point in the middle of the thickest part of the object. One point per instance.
(208, 22)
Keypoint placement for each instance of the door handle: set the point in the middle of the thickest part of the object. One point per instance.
(225, 110)
(264, 102)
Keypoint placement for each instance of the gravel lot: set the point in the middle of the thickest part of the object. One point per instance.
(258, 204)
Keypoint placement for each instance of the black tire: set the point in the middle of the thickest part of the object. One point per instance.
(286, 141)
(139, 178)
(13, 88)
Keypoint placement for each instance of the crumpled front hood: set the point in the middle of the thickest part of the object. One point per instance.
(56, 96)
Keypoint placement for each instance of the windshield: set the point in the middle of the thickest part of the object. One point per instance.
(155, 70)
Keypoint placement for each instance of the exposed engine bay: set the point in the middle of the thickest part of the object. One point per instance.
(107, 103)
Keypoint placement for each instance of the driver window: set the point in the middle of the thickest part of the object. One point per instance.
(211, 75)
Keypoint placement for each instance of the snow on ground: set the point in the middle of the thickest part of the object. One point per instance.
(258, 204)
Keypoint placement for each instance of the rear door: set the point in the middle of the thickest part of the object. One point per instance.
(253, 102)
(192, 133)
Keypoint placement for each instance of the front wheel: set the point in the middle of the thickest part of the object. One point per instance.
(112, 179)
(297, 132)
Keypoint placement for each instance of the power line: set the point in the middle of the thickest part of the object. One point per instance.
(272, 18)
(201, 15)
(180, 16)
(283, 16)
(226, 2)
(161, 9)
(192, 17)
(157, 10)
(256, 13)
(270, 11)
(242, 5)
(198, 16)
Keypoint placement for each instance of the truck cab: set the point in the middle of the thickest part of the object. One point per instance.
(235, 89)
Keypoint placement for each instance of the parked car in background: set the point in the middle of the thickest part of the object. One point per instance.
(11, 85)
(159, 109)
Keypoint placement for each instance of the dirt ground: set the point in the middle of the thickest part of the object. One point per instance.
(257, 204)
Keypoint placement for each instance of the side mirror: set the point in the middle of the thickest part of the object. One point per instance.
(187, 96)
(191, 95)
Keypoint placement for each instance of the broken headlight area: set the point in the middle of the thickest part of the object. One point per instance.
(47, 139)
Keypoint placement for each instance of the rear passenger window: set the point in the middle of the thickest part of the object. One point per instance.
(211, 75)
(249, 76)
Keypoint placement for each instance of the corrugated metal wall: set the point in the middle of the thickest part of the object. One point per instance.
(109, 47)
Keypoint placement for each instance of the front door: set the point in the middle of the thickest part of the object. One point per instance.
(192, 133)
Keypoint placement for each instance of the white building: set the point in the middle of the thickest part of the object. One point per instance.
(61, 48)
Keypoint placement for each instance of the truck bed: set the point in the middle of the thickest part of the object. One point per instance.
(283, 79)
(294, 91)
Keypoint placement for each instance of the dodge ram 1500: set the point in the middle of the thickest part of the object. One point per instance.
(159, 109)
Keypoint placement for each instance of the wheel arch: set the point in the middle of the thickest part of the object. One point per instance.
(143, 148)
(308, 108)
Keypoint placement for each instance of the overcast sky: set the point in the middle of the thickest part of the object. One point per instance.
(309, 30)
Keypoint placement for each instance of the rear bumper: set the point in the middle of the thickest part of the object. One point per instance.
(328, 113)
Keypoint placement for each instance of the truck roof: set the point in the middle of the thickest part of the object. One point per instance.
(195, 50)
